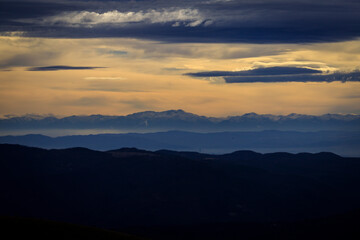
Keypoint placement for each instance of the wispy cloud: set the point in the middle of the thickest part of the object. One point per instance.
(112, 52)
(175, 69)
(104, 78)
(186, 17)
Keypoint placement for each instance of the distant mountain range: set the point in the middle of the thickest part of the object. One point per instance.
(130, 188)
(181, 120)
(345, 143)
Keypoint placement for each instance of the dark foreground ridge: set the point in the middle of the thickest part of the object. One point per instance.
(27, 228)
(344, 226)
(179, 195)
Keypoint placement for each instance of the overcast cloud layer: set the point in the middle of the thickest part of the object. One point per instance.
(255, 21)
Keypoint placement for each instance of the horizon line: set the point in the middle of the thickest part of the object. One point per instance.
(45, 115)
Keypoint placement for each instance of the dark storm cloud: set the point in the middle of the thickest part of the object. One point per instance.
(201, 21)
(57, 68)
(14, 10)
(257, 72)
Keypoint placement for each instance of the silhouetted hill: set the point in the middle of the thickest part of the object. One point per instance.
(130, 187)
(344, 226)
(181, 120)
(340, 142)
(26, 228)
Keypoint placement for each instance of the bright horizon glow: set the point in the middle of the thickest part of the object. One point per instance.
(121, 57)
(150, 77)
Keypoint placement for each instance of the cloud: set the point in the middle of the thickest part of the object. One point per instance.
(175, 69)
(186, 17)
(104, 78)
(60, 67)
(279, 74)
(12, 10)
(335, 77)
(257, 72)
(111, 52)
(257, 21)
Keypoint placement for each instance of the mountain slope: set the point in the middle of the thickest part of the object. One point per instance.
(26, 228)
(130, 187)
(181, 120)
(340, 142)
(343, 226)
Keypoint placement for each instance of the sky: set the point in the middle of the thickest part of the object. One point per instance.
(209, 57)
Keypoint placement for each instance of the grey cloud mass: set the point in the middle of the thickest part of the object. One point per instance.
(255, 21)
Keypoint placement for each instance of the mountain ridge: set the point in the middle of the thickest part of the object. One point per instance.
(343, 143)
(174, 112)
(181, 120)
